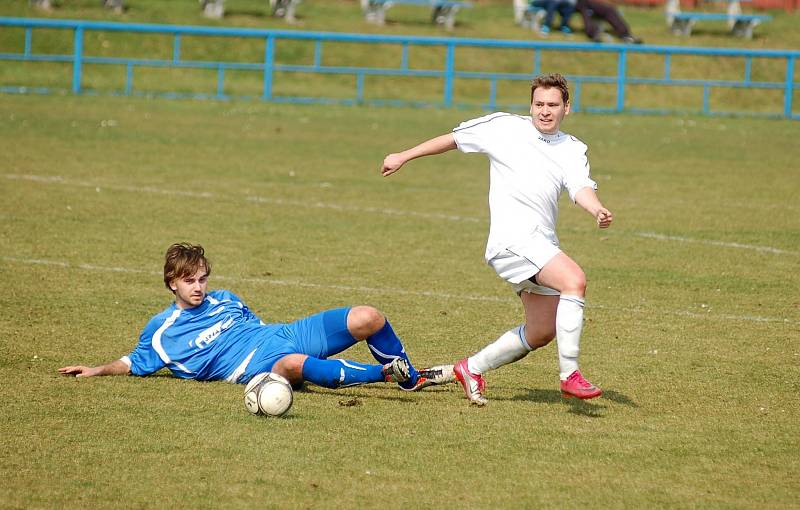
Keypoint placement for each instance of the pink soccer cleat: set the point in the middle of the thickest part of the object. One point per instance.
(577, 386)
(473, 384)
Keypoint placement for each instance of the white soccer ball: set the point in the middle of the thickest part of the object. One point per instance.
(268, 394)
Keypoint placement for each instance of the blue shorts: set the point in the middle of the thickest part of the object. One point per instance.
(320, 335)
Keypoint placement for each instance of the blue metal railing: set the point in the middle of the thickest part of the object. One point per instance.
(620, 80)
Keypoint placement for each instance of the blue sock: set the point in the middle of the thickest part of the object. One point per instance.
(385, 346)
(336, 373)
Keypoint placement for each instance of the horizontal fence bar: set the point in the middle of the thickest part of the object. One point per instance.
(382, 39)
(620, 76)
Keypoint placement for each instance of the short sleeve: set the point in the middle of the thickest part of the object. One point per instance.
(577, 172)
(478, 135)
(144, 359)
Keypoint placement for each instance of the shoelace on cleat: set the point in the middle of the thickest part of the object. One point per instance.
(580, 381)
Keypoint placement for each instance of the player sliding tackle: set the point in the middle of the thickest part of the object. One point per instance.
(530, 163)
(214, 336)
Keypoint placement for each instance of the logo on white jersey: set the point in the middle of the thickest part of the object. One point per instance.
(211, 334)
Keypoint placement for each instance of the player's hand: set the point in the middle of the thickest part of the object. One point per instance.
(391, 164)
(604, 218)
(77, 371)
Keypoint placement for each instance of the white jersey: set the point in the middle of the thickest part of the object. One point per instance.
(528, 170)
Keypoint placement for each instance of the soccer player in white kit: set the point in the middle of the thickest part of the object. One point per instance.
(531, 162)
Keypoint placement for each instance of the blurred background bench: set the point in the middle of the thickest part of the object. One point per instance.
(443, 12)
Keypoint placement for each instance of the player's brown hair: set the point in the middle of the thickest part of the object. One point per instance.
(184, 259)
(550, 81)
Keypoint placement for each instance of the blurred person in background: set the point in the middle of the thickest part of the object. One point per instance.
(594, 12)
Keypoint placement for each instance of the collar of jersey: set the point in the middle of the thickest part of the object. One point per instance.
(196, 309)
(547, 137)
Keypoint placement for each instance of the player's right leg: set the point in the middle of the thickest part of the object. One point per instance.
(513, 345)
(517, 265)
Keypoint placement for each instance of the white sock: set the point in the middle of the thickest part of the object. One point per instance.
(510, 347)
(569, 324)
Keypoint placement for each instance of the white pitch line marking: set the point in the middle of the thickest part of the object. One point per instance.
(354, 208)
(390, 291)
(723, 244)
(256, 199)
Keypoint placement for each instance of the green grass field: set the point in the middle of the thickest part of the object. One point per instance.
(692, 324)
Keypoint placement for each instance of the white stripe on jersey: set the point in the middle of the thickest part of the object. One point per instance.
(157, 339)
(182, 367)
(215, 311)
(238, 371)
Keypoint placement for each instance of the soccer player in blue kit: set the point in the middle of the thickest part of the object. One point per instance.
(214, 336)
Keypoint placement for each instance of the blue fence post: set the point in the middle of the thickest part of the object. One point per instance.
(269, 57)
(622, 66)
(360, 88)
(176, 48)
(77, 60)
(220, 81)
(789, 91)
(28, 41)
(318, 54)
(128, 79)
(449, 70)
(748, 67)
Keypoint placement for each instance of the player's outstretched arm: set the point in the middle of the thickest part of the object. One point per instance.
(587, 199)
(116, 367)
(438, 145)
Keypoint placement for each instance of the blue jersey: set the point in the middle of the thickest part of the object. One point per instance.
(212, 341)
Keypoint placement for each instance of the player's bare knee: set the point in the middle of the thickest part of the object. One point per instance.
(539, 337)
(364, 321)
(290, 367)
(575, 284)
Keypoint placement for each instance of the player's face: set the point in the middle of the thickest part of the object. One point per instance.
(190, 291)
(548, 110)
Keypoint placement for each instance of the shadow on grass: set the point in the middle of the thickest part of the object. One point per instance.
(353, 397)
(591, 408)
(619, 398)
(252, 13)
(420, 23)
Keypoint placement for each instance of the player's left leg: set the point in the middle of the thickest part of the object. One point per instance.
(367, 323)
(337, 373)
(565, 275)
(330, 332)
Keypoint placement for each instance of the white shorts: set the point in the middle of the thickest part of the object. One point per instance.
(520, 262)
